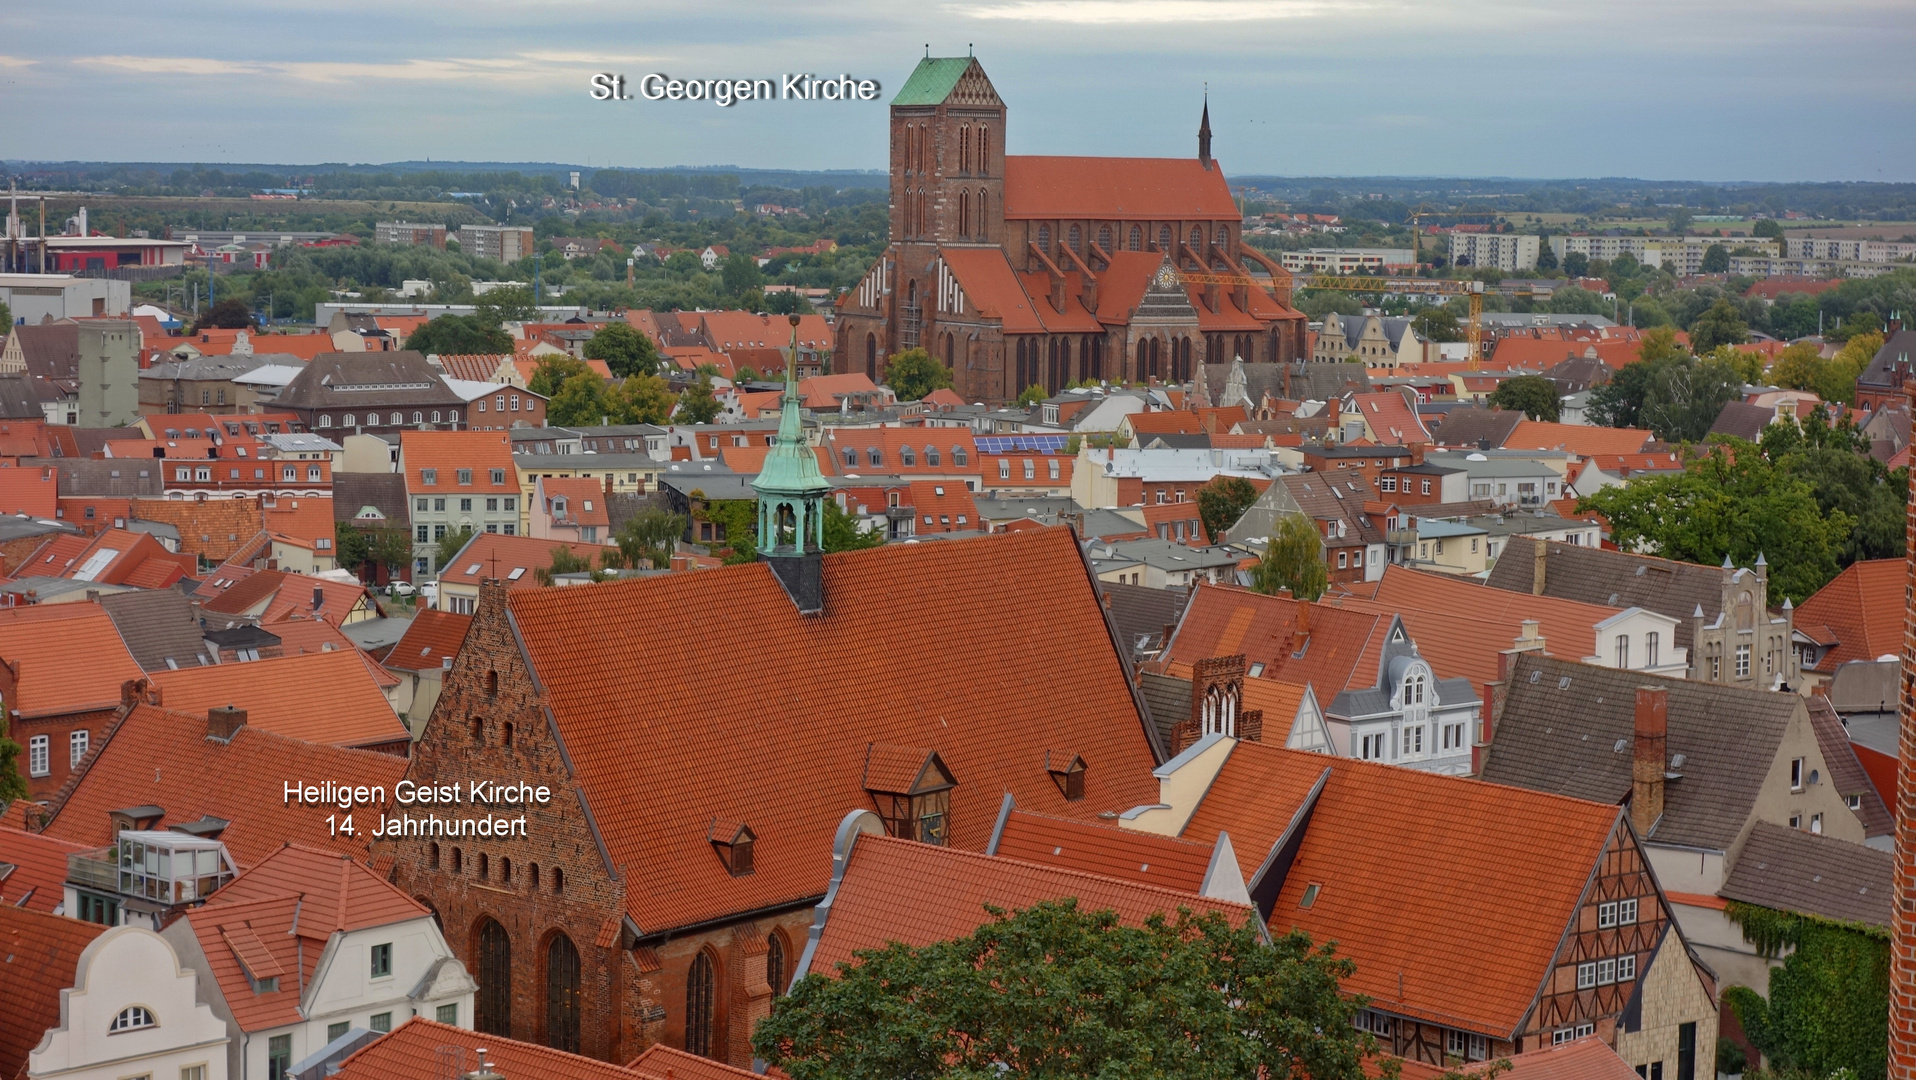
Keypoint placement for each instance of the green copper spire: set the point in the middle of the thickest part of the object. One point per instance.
(791, 489)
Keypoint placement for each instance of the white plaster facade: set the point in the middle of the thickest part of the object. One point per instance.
(133, 1012)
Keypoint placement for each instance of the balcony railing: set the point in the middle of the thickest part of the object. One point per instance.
(95, 869)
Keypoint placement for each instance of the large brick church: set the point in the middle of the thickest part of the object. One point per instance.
(1022, 271)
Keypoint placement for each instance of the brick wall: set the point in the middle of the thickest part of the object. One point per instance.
(1902, 960)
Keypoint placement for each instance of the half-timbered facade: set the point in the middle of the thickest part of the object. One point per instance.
(1563, 933)
(1043, 271)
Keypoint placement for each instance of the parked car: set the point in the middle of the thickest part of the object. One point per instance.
(429, 593)
(401, 588)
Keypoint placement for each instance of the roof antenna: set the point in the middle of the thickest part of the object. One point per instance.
(927, 50)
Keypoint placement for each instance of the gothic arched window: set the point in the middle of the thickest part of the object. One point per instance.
(492, 1006)
(1164, 238)
(1104, 237)
(701, 1005)
(871, 356)
(1223, 236)
(964, 214)
(1137, 239)
(1197, 238)
(562, 994)
(984, 150)
(984, 214)
(775, 965)
(964, 148)
(1077, 240)
(1044, 239)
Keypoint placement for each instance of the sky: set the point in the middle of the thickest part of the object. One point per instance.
(1713, 90)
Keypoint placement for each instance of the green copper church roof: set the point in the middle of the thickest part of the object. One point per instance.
(933, 80)
(790, 468)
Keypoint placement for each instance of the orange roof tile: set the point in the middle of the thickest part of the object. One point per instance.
(661, 1062)
(730, 330)
(38, 956)
(69, 658)
(1223, 620)
(447, 452)
(1582, 440)
(33, 492)
(1391, 419)
(891, 444)
(509, 558)
(419, 1048)
(1863, 605)
(1279, 701)
(1127, 189)
(157, 757)
(338, 893)
(473, 367)
(1482, 972)
(584, 496)
(824, 391)
(751, 459)
(212, 530)
(320, 697)
(896, 890)
(942, 507)
(433, 637)
(305, 519)
(640, 737)
(273, 595)
(304, 346)
(1126, 854)
(991, 287)
(39, 874)
(1166, 422)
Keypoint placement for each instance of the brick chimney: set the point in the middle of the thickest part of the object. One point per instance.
(1301, 630)
(1484, 732)
(1539, 550)
(1648, 757)
(224, 721)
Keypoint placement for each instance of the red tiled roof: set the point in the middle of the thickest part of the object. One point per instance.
(751, 459)
(274, 595)
(584, 496)
(750, 330)
(1588, 1058)
(33, 492)
(474, 367)
(942, 507)
(1582, 440)
(70, 658)
(1482, 972)
(213, 529)
(418, 1050)
(661, 1062)
(1223, 620)
(338, 893)
(644, 740)
(319, 697)
(432, 637)
(1864, 606)
(1126, 189)
(891, 442)
(305, 519)
(509, 558)
(823, 391)
(1166, 422)
(991, 287)
(1391, 419)
(896, 890)
(448, 452)
(162, 758)
(38, 878)
(1126, 854)
(38, 956)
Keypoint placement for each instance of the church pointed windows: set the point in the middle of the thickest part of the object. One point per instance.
(1104, 237)
(964, 214)
(1077, 240)
(1137, 239)
(1164, 238)
(984, 215)
(1197, 238)
(1044, 239)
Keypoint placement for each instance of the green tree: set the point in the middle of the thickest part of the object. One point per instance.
(504, 304)
(1576, 264)
(1053, 992)
(1532, 395)
(648, 536)
(626, 351)
(1798, 367)
(1437, 324)
(1721, 324)
(352, 550)
(580, 402)
(1767, 228)
(449, 547)
(746, 373)
(1731, 501)
(1576, 300)
(231, 313)
(564, 561)
(843, 534)
(1827, 1011)
(12, 784)
(697, 405)
(914, 373)
(553, 371)
(6, 317)
(459, 335)
(737, 521)
(788, 302)
(1716, 259)
(1031, 395)
(390, 548)
(1294, 560)
(643, 399)
(1687, 395)
(742, 280)
(1221, 502)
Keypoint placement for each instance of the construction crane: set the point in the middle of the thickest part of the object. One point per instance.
(1417, 216)
(1472, 291)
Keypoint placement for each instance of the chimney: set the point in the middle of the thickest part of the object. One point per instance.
(1538, 551)
(1528, 638)
(224, 721)
(1301, 634)
(1648, 757)
(1486, 728)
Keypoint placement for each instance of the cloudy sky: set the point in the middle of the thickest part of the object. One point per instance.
(1663, 89)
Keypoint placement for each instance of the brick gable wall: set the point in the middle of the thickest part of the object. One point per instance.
(1902, 956)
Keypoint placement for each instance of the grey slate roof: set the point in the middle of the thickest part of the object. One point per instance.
(1742, 420)
(1889, 367)
(1395, 658)
(385, 492)
(103, 477)
(1568, 729)
(1168, 700)
(1612, 578)
(366, 380)
(1142, 613)
(204, 367)
(156, 624)
(1476, 426)
(1791, 870)
(20, 398)
(1846, 772)
(1864, 686)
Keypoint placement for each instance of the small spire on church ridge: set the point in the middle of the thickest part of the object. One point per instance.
(1204, 131)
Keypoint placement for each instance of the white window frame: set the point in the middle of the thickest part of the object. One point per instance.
(1796, 774)
(1626, 967)
(77, 744)
(1627, 912)
(39, 755)
(1606, 971)
(1587, 975)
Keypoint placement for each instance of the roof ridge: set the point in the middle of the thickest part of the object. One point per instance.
(981, 857)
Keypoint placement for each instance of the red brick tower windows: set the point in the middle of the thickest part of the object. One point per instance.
(701, 1005)
(563, 999)
(1137, 239)
(492, 1006)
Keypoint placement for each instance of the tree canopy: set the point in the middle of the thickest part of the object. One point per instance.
(1720, 324)
(553, 371)
(460, 335)
(1222, 501)
(1057, 992)
(1294, 560)
(1533, 395)
(229, 314)
(696, 403)
(625, 350)
(914, 373)
(1668, 390)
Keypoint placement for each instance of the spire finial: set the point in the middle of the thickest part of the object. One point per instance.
(1204, 130)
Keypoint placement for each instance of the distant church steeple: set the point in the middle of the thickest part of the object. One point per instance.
(1204, 134)
(791, 501)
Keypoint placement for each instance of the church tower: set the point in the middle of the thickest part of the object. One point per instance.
(1204, 135)
(791, 502)
(947, 155)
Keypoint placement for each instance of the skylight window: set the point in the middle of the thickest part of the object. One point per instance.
(517, 573)
(473, 569)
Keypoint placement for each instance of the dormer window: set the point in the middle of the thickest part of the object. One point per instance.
(911, 788)
(1067, 771)
(132, 1018)
(733, 841)
(907, 457)
(1414, 689)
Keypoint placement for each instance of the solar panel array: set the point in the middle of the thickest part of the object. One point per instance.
(1021, 444)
